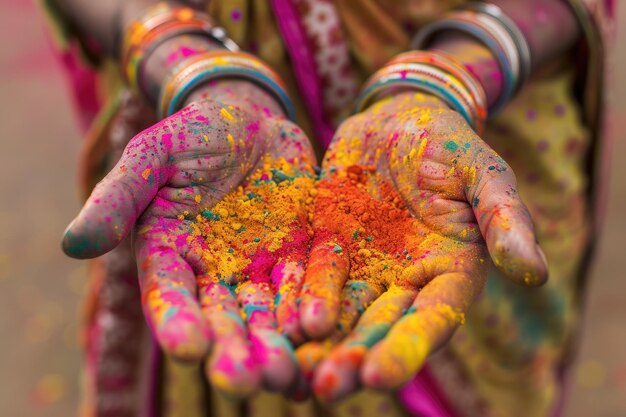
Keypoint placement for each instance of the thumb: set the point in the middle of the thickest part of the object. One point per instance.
(116, 202)
(505, 223)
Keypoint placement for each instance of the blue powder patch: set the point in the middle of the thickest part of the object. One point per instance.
(410, 310)
(451, 146)
(209, 215)
(279, 176)
(252, 308)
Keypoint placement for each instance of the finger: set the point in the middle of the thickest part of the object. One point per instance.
(272, 351)
(287, 277)
(506, 224)
(338, 375)
(168, 288)
(293, 145)
(450, 218)
(324, 279)
(117, 201)
(231, 367)
(438, 310)
(308, 356)
(356, 297)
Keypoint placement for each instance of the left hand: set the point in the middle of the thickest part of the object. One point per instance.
(410, 202)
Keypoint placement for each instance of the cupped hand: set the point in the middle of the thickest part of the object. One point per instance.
(219, 196)
(411, 205)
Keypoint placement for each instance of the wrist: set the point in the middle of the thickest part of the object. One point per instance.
(477, 58)
(239, 93)
(163, 36)
(166, 55)
(433, 74)
(407, 99)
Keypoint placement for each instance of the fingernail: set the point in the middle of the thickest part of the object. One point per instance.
(75, 246)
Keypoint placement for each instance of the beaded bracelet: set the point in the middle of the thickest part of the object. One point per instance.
(160, 23)
(201, 68)
(432, 73)
(490, 32)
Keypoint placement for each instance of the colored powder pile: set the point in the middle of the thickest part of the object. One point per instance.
(262, 222)
(385, 242)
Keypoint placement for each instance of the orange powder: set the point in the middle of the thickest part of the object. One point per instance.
(382, 236)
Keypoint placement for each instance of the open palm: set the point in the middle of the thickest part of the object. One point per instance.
(170, 186)
(411, 205)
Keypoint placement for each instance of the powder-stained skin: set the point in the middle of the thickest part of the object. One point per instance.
(224, 207)
(248, 253)
(415, 202)
(210, 277)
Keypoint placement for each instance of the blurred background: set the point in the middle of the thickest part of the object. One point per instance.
(40, 289)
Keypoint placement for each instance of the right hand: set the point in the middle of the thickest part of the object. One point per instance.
(166, 177)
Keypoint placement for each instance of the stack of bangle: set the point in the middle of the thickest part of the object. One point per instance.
(163, 22)
(199, 69)
(434, 73)
(488, 23)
